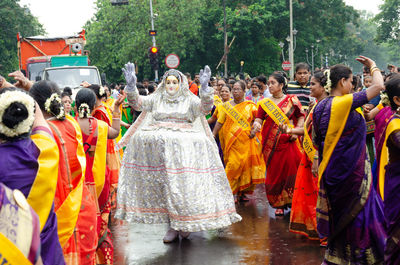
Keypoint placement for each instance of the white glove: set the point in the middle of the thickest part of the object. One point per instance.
(130, 77)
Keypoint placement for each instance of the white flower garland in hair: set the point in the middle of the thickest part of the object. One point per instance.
(384, 98)
(102, 91)
(286, 82)
(6, 99)
(328, 85)
(82, 110)
(61, 115)
(47, 104)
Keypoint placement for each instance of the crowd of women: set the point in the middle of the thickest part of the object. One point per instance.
(65, 177)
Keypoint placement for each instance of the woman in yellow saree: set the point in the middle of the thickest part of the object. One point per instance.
(244, 165)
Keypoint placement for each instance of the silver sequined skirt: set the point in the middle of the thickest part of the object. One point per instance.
(174, 177)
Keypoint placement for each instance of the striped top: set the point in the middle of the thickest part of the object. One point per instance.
(303, 93)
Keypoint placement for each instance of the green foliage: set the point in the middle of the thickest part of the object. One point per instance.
(14, 19)
(389, 22)
(120, 34)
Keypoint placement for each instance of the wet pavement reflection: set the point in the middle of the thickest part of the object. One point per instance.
(260, 238)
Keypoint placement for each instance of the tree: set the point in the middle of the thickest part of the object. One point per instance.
(389, 22)
(120, 34)
(14, 19)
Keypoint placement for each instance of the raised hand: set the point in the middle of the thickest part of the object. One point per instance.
(130, 75)
(205, 76)
(120, 100)
(22, 81)
(366, 61)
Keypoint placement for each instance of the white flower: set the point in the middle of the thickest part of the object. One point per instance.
(102, 91)
(83, 109)
(328, 85)
(385, 98)
(6, 99)
(47, 105)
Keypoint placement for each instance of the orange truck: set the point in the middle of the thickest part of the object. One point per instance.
(61, 60)
(36, 53)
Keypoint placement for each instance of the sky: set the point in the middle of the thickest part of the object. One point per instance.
(67, 17)
(61, 17)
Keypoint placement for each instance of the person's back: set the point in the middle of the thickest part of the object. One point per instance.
(29, 164)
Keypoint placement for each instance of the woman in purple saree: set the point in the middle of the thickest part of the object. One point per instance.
(349, 212)
(29, 163)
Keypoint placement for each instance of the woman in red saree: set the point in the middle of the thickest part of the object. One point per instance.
(97, 176)
(281, 151)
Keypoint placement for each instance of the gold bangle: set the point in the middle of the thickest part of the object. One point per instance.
(372, 66)
(374, 70)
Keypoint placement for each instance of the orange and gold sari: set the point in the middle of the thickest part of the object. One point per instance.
(244, 165)
(74, 204)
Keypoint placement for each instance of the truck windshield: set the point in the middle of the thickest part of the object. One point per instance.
(72, 77)
(36, 69)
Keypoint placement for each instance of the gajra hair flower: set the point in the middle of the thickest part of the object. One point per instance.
(328, 85)
(83, 110)
(385, 98)
(10, 97)
(47, 106)
(102, 91)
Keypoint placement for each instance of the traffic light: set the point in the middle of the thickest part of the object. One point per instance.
(153, 56)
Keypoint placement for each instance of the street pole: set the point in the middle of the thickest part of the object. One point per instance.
(322, 65)
(326, 60)
(225, 43)
(312, 59)
(154, 38)
(291, 56)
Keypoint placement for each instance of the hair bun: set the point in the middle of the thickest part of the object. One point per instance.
(54, 106)
(14, 114)
(17, 113)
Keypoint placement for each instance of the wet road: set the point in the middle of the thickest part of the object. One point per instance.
(259, 238)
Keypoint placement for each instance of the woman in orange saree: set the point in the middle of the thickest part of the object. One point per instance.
(282, 152)
(74, 205)
(303, 216)
(244, 165)
(95, 134)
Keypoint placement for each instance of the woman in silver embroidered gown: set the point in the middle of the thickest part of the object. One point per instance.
(171, 170)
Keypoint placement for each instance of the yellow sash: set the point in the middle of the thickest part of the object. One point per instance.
(99, 163)
(392, 126)
(340, 110)
(67, 213)
(217, 100)
(10, 254)
(274, 112)
(43, 189)
(308, 145)
(235, 116)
